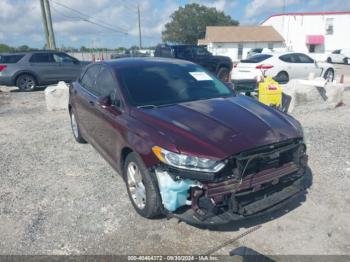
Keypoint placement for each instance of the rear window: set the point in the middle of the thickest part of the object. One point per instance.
(40, 58)
(10, 59)
(256, 58)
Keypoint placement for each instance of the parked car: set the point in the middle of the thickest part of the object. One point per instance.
(255, 51)
(219, 65)
(339, 56)
(186, 145)
(28, 70)
(282, 66)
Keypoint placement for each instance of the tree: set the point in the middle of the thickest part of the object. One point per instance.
(5, 48)
(188, 23)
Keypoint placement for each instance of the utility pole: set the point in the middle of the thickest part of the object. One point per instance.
(46, 30)
(49, 24)
(138, 14)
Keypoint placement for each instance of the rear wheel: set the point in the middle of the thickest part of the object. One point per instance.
(223, 74)
(75, 128)
(346, 61)
(142, 187)
(282, 77)
(26, 82)
(329, 74)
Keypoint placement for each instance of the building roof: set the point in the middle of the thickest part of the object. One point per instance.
(307, 13)
(240, 34)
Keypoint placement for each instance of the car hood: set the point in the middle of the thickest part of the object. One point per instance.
(221, 127)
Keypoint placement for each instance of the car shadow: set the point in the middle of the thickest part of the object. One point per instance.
(41, 88)
(268, 216)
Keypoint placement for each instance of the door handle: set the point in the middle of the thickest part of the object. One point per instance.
(91, 103)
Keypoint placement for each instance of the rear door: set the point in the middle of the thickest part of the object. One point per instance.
(108, 118)
(44, 67)
(68, 67)
(85, 100)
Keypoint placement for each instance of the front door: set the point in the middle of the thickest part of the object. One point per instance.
(108, 125)
(68, 68)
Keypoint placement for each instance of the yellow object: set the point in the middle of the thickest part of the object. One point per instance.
(270, 92)
(158, 152)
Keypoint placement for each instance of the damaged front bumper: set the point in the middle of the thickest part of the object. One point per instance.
(257, 181)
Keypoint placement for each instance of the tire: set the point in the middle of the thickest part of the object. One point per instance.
(346, 61)
(75, 128)
(26, 82)
(329, 74)
(223, 74)
(329, 60)
(142, 187)
(282, 77)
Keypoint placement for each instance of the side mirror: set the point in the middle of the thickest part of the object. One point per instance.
(104, 101)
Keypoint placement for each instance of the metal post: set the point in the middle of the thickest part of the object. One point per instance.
(46, 30)
(49, 24)
(138, 13)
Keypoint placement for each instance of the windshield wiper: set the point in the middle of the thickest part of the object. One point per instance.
(155, 106)
(148, 106)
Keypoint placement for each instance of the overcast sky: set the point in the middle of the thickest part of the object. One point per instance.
(20, 20)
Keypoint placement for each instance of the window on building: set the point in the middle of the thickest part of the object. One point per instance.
(329, 26)
(240, 51)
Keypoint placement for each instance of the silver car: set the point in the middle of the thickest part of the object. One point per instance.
(28, 70)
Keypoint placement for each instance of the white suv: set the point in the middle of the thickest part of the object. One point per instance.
(281, 66)
(339, 56)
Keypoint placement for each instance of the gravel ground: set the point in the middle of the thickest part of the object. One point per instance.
(60, 197)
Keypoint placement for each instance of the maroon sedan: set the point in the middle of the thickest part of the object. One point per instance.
(186, 145)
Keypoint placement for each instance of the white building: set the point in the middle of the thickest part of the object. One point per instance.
(236, 41)
(315, 33)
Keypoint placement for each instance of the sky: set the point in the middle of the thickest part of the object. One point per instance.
(21, 24)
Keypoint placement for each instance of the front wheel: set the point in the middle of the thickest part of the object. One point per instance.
(142, 187)
(223, 74)
(329, 74)
(346, 61)
(329, 60)
(282, 77)
(26, 82)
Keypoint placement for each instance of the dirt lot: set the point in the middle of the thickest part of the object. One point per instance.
(60, 197)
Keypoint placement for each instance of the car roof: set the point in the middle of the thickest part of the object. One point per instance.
(31, 52)
(135, 61)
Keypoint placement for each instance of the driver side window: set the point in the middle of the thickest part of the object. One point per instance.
(63, 58)
(106, 85)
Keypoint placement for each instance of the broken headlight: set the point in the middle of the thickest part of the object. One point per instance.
(187, 162)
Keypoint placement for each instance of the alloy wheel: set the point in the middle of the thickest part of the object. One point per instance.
(135, 185)
(74, 126)
(26, 83)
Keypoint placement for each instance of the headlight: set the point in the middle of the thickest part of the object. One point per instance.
(187, 162)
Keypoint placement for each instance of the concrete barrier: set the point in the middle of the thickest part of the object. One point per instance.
(57, 96)
(316, 93)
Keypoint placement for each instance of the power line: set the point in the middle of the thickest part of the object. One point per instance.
(89, 17)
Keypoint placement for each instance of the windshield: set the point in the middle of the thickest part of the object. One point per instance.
(169, 83)
(256, 58)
